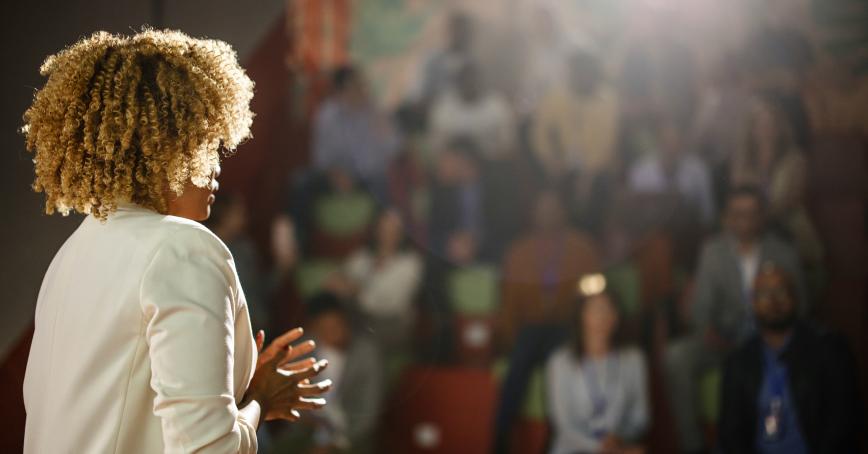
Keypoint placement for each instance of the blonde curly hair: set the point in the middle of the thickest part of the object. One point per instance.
(129, 118)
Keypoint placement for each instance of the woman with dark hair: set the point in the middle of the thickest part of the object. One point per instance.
(597, 390)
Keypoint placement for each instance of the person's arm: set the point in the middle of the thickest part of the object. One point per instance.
(842, 415)
(561, 385)
(638, 414)
(704, 293)
(189, 301)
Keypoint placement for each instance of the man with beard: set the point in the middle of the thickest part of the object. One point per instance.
(792, 388)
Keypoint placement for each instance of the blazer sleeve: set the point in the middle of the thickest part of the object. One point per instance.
(735, 424)
(189, 294)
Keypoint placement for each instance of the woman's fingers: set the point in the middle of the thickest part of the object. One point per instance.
(309, 372)
(309, 404)
(260, 340)
(308, 390)
(297, 351)
(298, 365)
(283, 341)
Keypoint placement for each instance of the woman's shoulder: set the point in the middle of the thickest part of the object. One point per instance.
(187, 236)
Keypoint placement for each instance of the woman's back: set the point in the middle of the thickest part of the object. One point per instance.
(100, 315)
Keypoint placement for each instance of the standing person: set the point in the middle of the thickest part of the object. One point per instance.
(721, 315)
(792, 388)
(142, 337)
(438, 71)
(597, 389)
(539, 280)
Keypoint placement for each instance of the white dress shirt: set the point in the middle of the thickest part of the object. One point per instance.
(142, 343)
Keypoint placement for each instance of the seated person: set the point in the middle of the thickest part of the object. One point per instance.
(792, 388)
(576, 126)
(383, 279)
(721, 315)
(457, 220)
(540, 275)
(355, 370)
(350, 134)
(474, 110)
(597, 390)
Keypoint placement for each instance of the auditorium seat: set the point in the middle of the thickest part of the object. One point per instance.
(440, 410)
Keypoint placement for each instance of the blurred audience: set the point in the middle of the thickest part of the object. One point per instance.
(792, 388)
(597, 388)
(721, 315)
(514, 147)
(540, 274)
(356, 372)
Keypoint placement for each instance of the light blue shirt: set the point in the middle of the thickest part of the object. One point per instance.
(617, 384)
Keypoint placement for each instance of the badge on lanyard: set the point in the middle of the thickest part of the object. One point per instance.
(599, 401)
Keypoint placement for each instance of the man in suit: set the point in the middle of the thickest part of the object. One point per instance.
(792, 388)
(722, 318)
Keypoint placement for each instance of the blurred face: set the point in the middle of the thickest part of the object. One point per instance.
(468, 82)
(460, 33)
(743, 217)
(598, 317)
(390, 230)
(331, 329)
(773, 302)
(195, 202)
(549, 213)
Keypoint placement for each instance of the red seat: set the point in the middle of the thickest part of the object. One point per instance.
(440, 410)
(475, 340)
(529, 436)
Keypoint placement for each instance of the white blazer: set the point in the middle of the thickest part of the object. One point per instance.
(142, 343)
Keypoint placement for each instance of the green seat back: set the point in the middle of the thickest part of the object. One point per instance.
(310, 276)
(473, 290)
(344, 214)
(623, 281)
(709, 392)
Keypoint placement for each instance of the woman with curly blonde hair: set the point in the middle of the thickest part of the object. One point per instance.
(143, 340)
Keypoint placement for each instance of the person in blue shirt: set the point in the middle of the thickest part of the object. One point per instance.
(792, 388)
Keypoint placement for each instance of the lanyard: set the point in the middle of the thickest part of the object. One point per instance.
(550, 258)
(776, 374)
(596, 390)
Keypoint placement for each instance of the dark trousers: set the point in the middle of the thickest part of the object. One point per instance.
(532, 348)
